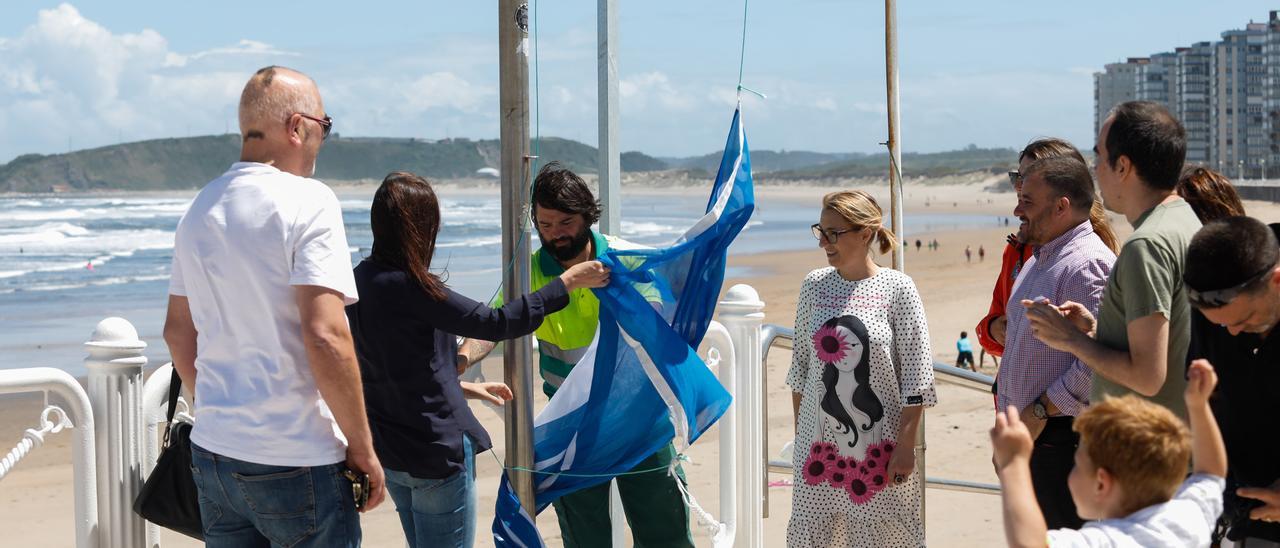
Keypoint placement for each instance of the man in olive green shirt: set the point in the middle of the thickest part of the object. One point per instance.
(1138, 343)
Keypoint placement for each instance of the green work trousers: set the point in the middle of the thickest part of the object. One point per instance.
(651, 500)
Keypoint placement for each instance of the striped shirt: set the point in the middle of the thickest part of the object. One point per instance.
(1072, 267)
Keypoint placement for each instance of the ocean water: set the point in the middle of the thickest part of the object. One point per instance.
(68, 261)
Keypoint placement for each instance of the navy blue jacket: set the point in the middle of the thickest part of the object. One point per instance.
(406, 345)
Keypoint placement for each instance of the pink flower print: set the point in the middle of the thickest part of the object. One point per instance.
(830, 344)
(818, 465)
(841, 471)
(858, 487)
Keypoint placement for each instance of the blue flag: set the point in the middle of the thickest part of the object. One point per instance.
(641, 383)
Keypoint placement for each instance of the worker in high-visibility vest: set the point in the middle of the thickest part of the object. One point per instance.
(564, 210)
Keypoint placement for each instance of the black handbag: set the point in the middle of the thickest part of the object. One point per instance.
(169, 497)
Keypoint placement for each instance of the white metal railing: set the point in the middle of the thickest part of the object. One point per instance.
(155, 406)
(75, 407)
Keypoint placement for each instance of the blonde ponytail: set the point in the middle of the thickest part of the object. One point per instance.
(861, 211)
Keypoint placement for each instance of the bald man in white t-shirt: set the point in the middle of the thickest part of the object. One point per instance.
(256, 324)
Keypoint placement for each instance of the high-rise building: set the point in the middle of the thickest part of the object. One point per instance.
(1116, 85)
(1271, 100)
(1194, 67)
(1157, 80)
(1226, 93)
(1240, 143)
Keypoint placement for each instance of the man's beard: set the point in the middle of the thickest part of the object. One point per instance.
(565, 252)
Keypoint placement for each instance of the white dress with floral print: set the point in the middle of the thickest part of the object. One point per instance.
(861, 355)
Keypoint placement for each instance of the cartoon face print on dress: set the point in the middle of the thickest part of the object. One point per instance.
(843, 345)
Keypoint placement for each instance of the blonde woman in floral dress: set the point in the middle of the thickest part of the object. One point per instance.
(862, 374)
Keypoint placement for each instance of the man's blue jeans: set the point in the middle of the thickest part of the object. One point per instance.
(437, 512)
(249, 505)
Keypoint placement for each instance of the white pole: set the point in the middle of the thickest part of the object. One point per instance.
(742, 313)
(730, 477)
(115, 385)
(609, 168)
(610, 165)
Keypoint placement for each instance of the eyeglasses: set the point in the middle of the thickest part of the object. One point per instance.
(1222, 297)
(1015, 179)
(326, 124)
(830, 235)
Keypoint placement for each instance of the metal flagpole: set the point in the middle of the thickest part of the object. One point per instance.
(607, 82)
(513, 71)
(895, 191)
(609, 168)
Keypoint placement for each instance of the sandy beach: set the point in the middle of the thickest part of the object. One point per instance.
(37, 497)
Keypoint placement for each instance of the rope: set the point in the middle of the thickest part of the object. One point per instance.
(742, 56)
(34, 438)
(678, 458)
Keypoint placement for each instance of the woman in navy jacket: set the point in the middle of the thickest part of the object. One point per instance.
(404, 327)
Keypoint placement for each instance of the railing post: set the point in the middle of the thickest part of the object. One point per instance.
(742, 313)
(115, 384)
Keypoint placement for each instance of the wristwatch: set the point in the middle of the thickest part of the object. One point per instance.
(1039, 410)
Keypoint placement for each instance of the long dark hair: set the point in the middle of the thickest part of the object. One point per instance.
(864, 398)
(405, 219)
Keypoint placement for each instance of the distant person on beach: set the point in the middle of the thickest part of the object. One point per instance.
(261, 272)
(964, 351)
(1018, 257)
(404, 328)
(1130, 474)
(1049, 387)
(1138, 343)
(982, 253)
(563, 211)
(918, 245)
(1233, 283)
(861, 376)
(968, 254)
(1210, 194)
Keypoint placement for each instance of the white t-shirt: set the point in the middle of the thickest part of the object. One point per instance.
(248, 237)
(1186, 520)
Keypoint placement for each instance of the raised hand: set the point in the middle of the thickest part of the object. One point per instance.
(588, 274)
(1010, 439)
(1201, 379)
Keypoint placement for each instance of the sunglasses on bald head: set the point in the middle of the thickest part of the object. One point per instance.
(326, 124)
(1222, 297)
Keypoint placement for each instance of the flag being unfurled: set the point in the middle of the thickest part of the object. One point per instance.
(641, 383)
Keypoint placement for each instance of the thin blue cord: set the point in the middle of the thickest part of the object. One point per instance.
(742, 53)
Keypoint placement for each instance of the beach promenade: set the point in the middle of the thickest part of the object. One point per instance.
(36, 499)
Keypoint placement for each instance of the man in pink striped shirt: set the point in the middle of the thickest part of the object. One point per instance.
(1072, 264)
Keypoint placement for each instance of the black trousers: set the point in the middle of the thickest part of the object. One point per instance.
(1052, 458)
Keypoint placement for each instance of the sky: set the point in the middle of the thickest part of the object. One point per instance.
(993, 73)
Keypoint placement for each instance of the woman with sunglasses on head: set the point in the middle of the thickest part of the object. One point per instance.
(1018, 256)
(861, 376)
(404, 328)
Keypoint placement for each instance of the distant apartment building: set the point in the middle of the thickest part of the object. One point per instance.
(1117, 85)
(1271, 98)
(1226, 93)
(1195, 104)
(1240, 144)
(1157, 80)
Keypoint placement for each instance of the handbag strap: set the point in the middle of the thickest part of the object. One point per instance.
(175, 386)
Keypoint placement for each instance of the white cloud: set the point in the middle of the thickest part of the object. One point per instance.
(66, 78)
(642, 91)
